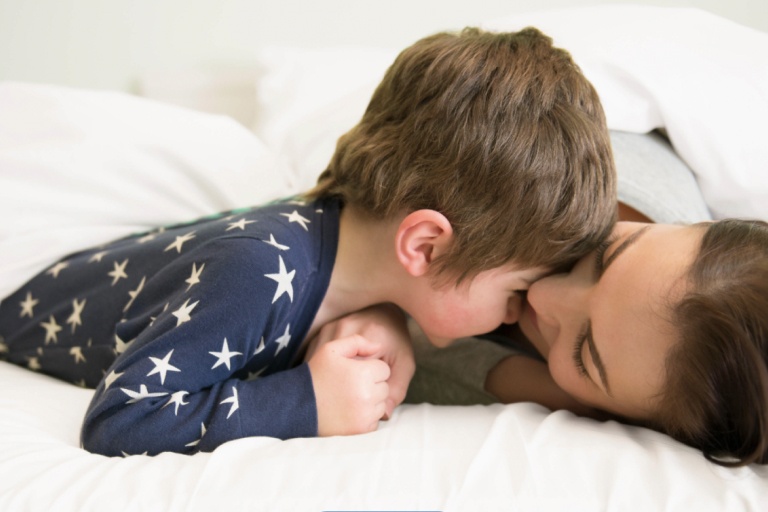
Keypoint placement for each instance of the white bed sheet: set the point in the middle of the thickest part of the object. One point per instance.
(426, 457)
(60, 146)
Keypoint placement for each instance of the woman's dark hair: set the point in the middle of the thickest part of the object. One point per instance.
(716, 398)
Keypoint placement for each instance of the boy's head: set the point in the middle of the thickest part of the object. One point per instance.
(498, 132)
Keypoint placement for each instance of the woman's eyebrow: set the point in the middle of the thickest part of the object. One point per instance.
(622, 247)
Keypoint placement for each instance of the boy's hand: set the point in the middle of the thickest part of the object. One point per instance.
(384, 324)
(350, 386)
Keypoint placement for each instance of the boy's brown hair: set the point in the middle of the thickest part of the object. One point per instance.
(499, 132)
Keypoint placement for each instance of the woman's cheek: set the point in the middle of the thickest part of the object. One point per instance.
(562, 370)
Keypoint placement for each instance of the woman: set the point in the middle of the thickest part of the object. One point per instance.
(663, 326)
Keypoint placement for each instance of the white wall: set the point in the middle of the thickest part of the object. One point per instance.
(109, 43)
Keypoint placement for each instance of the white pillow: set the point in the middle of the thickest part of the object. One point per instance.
(308, 98)
(83, 167)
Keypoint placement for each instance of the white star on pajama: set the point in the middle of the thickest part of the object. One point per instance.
(98, 256)
(224, 356)
(54, 270)
(283, 340)
(180, 240)
(255, 375)
(260, 347)
(195, 277)
(202, 434)
(77, 353)
(232, 400)
(283, 279)
(33, 363)
(118, 272)
(239, 224)
(77, 309)
(163, 366)
(295, 216)
(120, 345)
(177, 399)
(135, 293)
(141, 395)
(111, 378)
(274, 243)
(51, 330)
(182, 314)
(27, 305)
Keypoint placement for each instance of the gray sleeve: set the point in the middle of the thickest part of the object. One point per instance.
(454, 375)
(655, 181)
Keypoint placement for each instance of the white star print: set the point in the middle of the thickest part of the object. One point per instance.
(120, 345)
(54, 270)
(111, 378)
(178, 399)
(163, 366)
(3, 346)
(260, 347)
(283, 340)
(232, 400)
(77, 353)
(153, 318)
(224, 356)
(27, 305)
(135, 293)
(274, 243)
(141, 395)
(126, 454)
(295, 216)
(283, 279)
(118, 272)
(255, 375)
(77, 309)
(51, 330)
(180, 240)
(33, 363)
(182, 314)
(195, 277)
(147, 238)
(202, 434)
(239, 224)
(98, 256)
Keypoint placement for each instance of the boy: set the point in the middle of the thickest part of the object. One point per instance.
(482, 161)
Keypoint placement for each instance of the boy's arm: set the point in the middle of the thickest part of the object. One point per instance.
(519, 378)
(201, 371)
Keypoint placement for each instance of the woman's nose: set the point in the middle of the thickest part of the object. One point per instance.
(556, 297)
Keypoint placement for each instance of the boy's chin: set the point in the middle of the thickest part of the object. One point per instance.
(438, 341)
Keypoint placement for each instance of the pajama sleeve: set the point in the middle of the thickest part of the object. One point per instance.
(206, 353)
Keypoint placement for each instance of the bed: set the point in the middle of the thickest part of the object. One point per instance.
(79, 167)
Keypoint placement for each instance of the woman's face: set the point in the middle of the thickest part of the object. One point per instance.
(605, 326)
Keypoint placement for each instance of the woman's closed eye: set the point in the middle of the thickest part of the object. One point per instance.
(578, 350)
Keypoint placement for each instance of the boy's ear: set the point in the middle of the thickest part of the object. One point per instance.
(421, 237)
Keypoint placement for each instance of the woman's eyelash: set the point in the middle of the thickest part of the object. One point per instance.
(578, 361)
(600, 253)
